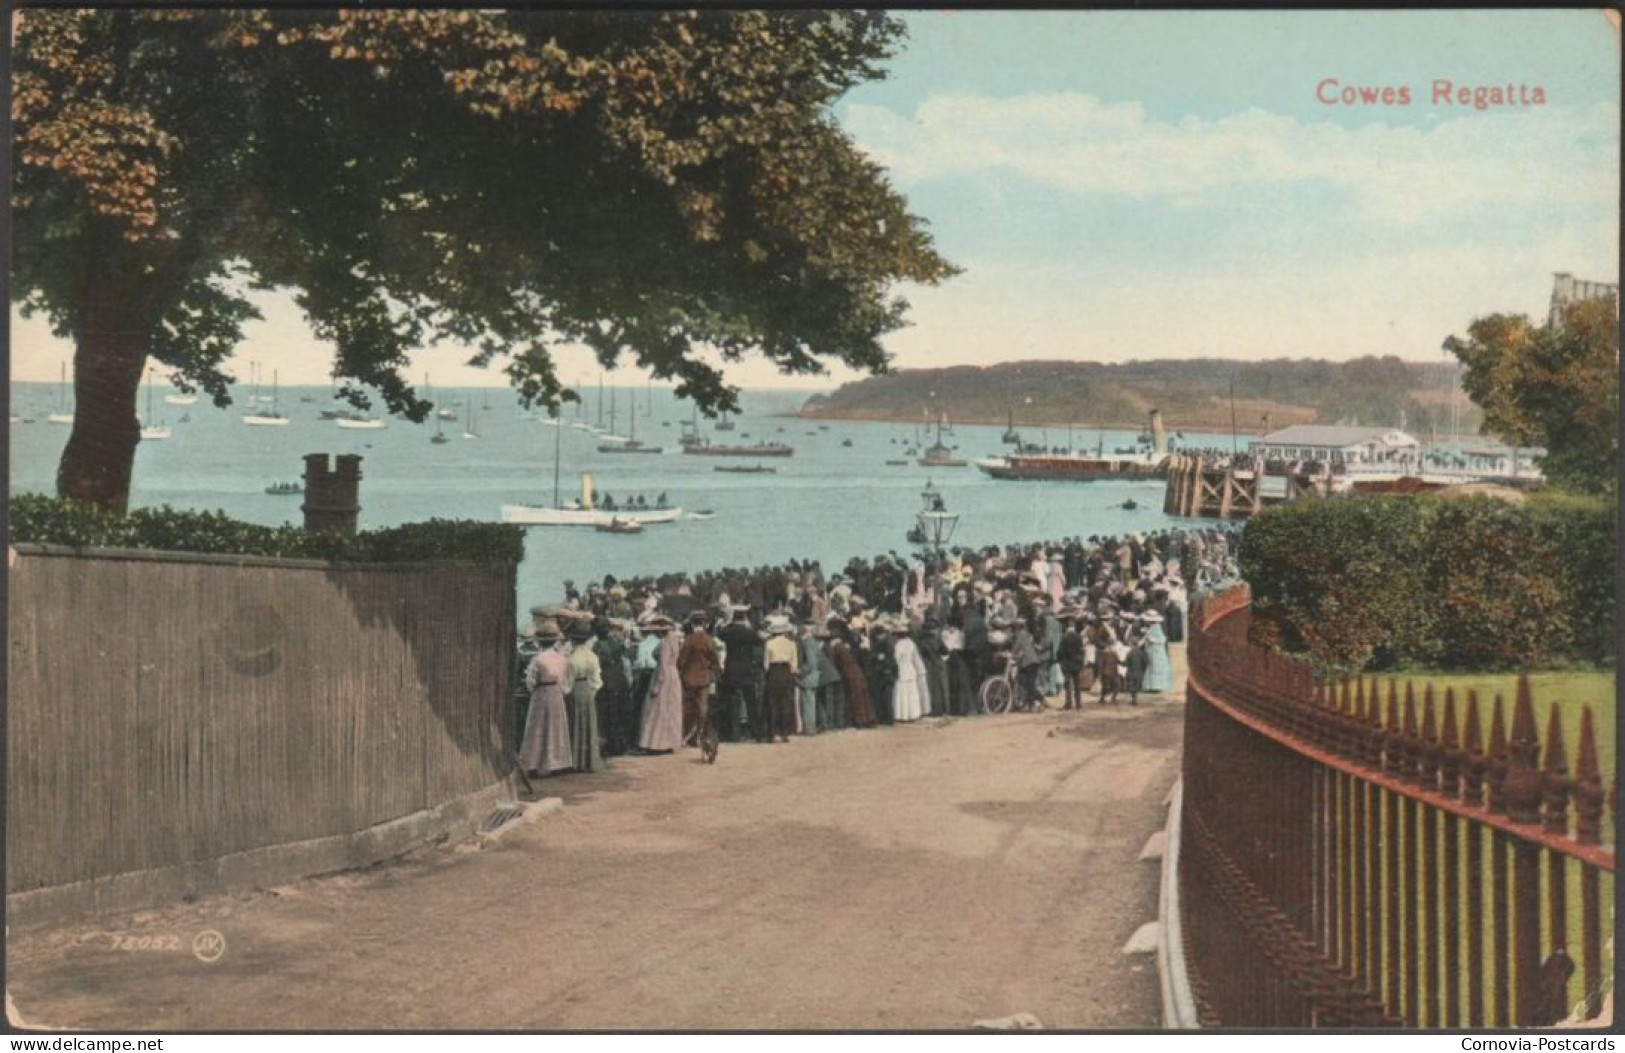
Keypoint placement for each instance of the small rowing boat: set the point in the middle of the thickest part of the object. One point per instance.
(620, 526)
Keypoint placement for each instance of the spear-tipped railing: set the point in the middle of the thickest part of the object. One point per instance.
(1333, 859)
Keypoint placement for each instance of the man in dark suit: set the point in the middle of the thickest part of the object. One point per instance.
(1071, 656)
(978, 650)
(737, 690)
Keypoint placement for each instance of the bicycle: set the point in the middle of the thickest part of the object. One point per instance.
(1001, 689)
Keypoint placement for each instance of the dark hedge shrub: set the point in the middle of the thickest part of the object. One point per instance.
(1583, 533)
(1495, 588)
(1341, 579)
(42, 518)
(1464, 582)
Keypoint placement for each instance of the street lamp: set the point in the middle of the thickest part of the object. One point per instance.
(934, 524)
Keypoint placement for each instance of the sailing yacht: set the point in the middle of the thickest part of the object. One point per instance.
(939, 455)
(181, 399)
(468, 430)
(609, 439)
(1011, 436)
(269, 418)
(62, 415)
(439, 438)
(630, 444)
(428, 395)
(149, 430)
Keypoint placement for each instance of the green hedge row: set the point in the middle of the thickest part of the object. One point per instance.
(42, 518)
(1456, 582)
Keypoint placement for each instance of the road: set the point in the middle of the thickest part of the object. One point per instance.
(917, 877)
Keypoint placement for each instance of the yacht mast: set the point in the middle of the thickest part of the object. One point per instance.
(557, 431)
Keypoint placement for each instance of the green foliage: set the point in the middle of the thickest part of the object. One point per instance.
(53, 520)
(1341, 578)
(649, 184)
(1583, 533)
(1555, 386)
(1495, 588)
(1465, 583)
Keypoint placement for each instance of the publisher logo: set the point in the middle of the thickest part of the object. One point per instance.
(208, 946)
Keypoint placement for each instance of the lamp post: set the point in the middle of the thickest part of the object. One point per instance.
(934, 524)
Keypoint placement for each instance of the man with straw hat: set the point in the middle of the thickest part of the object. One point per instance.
(782, 657)
(545, 747)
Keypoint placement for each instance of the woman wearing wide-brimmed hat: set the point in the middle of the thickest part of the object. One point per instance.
(528, 648)
(909, 699)
(842, 651)
(546, 744)
(663, 710)
(586, 678)
(1159, 671)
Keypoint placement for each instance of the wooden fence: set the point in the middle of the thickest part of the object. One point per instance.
(166, 709)
(1353, 855)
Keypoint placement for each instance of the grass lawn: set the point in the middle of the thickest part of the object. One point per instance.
(1570, 690)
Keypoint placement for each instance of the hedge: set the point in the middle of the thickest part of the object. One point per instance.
(1460, 582)
(42, 518)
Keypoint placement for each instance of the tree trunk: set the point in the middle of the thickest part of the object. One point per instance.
(122, 294)
(100, 455)
(108, 359)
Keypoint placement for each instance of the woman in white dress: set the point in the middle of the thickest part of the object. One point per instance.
(909, 701)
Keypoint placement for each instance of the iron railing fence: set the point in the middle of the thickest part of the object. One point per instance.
(1361, 855)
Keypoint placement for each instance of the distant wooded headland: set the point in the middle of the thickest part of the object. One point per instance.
(1192, 394)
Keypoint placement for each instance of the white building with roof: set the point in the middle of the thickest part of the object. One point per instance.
(1500, 460)
(1339, 444)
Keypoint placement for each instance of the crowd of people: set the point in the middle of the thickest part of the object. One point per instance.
(636, 502)
(646, 664)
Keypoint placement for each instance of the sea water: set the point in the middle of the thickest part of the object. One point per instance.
(828, 502)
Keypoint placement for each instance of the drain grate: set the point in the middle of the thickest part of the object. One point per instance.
(502, 816)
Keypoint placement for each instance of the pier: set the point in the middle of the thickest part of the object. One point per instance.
(1204, 490)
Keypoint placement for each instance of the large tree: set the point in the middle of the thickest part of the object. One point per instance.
(1554, 385)
(646, 184)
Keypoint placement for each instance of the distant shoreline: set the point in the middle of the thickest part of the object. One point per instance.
(874, 417)
(877, 417)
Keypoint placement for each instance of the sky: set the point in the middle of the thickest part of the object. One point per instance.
(1146, 185)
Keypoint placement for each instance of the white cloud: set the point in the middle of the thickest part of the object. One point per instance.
(1538, 158)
